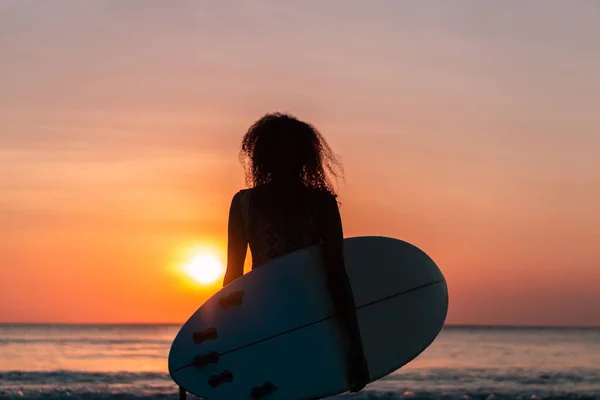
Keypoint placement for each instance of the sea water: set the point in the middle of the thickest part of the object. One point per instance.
(130, 362)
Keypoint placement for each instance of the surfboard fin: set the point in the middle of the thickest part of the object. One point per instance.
(232, 299)
(265, 389)
(223, 377)
(204, 360)
(202, 336)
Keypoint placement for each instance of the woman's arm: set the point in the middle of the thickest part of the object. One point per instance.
(237, 243)
(341, 293)
(336, 275)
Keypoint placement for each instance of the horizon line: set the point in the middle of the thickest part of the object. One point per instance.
(133, 324)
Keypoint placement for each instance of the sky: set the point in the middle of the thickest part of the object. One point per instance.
(470, 129)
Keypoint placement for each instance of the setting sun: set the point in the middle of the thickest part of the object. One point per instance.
(204, 268)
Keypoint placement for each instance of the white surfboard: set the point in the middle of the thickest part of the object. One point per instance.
(273, 333)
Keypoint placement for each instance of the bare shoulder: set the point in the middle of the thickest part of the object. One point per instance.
(239, 198)
(324, 198)
(325, 195)
(240, 193)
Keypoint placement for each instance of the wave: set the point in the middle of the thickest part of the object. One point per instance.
(430, 384)
(521, 376)
(79, 377)
(90, 341)
(365, 395)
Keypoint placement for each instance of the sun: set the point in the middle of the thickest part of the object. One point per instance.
(204, 268)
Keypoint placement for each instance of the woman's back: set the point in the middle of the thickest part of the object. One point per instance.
(278, 219)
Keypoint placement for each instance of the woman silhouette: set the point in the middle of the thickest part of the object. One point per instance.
(291, 205)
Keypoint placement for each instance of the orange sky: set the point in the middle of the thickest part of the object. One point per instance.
(470, 130)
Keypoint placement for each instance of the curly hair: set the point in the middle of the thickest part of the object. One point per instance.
(279, 147)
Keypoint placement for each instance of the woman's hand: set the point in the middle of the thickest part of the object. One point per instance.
(358, 370)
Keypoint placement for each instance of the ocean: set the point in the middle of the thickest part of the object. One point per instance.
(130, 362)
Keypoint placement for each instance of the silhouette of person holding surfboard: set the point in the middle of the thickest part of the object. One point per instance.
(292, 205)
